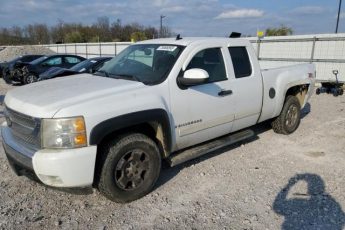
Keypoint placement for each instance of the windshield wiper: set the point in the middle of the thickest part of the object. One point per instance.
(102, 73)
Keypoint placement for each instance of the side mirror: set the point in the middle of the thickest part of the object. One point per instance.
(193, 77)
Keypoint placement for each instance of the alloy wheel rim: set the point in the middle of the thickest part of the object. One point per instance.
(291, 116)
(31, 79)
(132, 169)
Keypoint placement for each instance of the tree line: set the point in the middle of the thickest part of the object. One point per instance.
(103, 30)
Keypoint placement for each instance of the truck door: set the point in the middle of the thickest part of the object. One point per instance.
(246, 85)
(204, 111)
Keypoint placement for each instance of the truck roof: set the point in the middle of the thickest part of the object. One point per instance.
(189, 40)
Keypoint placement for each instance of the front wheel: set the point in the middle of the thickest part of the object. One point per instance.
(289, 119)
(131, 165)
(30, 78)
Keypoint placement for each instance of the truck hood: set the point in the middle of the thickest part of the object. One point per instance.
(46, 98)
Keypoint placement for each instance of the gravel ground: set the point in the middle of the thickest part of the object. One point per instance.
(276, 181)
(12, 52)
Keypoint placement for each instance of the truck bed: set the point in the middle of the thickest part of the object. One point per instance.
(277, 81)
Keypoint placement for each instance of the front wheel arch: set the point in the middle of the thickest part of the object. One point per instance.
(152, 122)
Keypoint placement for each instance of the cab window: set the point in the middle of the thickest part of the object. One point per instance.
(240, 61)
(210, 60)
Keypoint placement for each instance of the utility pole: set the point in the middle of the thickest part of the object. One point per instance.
(161, 29)
(336, 28)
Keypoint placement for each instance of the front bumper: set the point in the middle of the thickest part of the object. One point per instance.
(54, 167)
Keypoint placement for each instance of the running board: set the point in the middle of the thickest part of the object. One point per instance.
(208, 147)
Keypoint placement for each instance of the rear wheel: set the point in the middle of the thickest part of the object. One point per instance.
(341, 91)
(130, 168)
(289, 119)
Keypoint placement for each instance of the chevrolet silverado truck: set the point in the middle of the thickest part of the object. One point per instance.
(163, 99)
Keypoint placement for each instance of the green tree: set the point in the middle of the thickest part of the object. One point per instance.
(138, 36)
(74, 37)
(279, 31)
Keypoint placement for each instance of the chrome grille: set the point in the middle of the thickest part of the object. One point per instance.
(24, 128)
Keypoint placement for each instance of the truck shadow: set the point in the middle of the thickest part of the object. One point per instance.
(168, 172)
(314, 209)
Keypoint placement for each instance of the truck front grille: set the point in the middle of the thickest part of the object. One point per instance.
(24, 128)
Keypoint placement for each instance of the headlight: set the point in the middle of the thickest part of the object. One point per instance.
(63, 133)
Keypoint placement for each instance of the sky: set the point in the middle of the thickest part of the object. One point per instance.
(187, 17)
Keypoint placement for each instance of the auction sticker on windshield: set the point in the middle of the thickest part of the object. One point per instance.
(167, 48)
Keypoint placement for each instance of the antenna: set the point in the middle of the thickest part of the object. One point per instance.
(178, 37)
(235, 35)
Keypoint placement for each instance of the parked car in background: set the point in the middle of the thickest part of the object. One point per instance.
(27, 73)
(7, 67)
(88, 66)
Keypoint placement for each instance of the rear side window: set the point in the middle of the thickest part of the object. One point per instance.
(72, 60)
(240, 61)
(53, 61)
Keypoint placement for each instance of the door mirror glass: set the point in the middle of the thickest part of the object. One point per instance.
(194, 77)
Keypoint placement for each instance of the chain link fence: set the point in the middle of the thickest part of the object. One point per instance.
(89, 50)
(327, 51)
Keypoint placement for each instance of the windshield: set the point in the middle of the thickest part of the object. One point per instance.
(148, 63)
(84, 65)
(39, 60)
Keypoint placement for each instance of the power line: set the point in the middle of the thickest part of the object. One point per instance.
(336, 28)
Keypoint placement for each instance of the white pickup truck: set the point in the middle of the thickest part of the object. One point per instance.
(171, 99)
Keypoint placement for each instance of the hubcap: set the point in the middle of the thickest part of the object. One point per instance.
(291, 116)
(132, 169)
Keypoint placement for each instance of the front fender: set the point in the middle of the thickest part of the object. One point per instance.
(101, 130)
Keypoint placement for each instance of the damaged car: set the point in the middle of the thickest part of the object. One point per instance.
(27, 73)
(7, 67)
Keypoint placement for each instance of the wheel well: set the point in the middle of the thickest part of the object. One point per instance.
(299, 91)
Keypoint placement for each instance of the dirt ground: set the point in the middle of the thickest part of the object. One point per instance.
(272, 182)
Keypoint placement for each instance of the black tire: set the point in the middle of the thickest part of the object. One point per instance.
(341, 92)
(30, 78)
(335, 93)
(130, 167)
(289, 119)
(318, 91)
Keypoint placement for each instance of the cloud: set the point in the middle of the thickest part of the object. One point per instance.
(174, 9)
(342, 15)
(241, 13)
(160, 3)
(308, 10)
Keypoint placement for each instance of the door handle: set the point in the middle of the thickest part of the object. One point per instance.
(224, 93)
